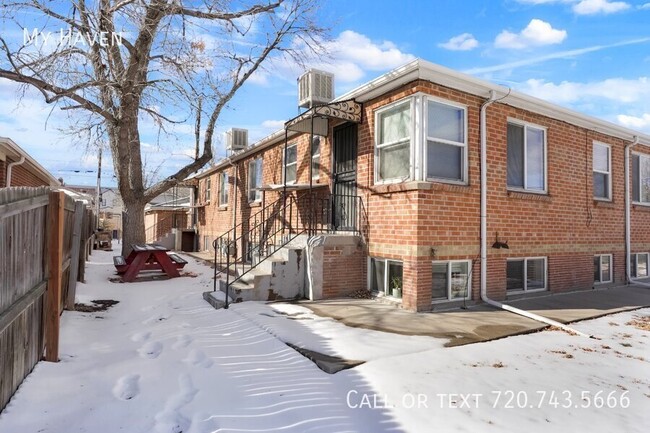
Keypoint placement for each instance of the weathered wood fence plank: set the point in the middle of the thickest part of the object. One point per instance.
(55, 260)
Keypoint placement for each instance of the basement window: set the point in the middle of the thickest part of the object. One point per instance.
(450, 280)
(385, 277)
(526, 274)
(603, 268)
(639, 265)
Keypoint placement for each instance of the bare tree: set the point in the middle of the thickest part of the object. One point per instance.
(112, 63)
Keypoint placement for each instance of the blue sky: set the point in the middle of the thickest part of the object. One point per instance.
(589, 55)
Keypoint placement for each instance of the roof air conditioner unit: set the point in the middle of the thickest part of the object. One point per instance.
(315, 87)
(236, 139)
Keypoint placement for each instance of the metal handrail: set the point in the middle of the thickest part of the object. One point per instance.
(279, 223)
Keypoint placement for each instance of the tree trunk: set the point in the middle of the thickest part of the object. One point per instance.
(133, 231)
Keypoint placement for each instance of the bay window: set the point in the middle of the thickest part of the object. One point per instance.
(394, 142)
(446, 147)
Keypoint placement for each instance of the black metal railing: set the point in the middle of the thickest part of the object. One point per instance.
(258, 237)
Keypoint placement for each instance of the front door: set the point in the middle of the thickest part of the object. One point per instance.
(344, 200)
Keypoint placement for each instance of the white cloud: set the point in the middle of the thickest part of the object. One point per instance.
(642, 122)
(273, 124)
(537, 33)
(644, 6)
(619, 90)
(464, 42)
(592, 7)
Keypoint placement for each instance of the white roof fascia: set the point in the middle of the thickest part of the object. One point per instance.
(18, 151)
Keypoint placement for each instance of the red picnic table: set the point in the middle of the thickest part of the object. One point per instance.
(148, 257)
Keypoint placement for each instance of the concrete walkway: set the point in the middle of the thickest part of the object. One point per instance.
(482, 323)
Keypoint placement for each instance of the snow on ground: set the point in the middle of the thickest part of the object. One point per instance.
(163, 360)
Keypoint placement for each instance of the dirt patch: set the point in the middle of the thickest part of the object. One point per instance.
(640, 322)
(563, 353)
(189, 274)
(361, 294)
(97, 305)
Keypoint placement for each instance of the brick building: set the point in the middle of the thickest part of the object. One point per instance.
(553, 190)
(18, 168)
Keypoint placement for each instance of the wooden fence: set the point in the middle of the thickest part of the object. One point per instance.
(43, 248)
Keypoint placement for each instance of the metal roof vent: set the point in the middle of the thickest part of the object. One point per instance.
(315, 87)
(236, 139)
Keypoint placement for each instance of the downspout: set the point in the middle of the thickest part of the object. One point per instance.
(10, 166)
(484, 296)
(628, 222)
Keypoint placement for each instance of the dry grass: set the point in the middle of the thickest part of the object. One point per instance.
(640, 322)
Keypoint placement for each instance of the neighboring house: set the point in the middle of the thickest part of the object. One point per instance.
(110, 207)
(17, 168)
(167, 215)
(395, 195)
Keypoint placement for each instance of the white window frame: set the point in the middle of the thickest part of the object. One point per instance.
(527, 125)
(412, 138)
(208, 185)
(386, 281)
(223, 189)
(315, 171)
(426, 138)
(608, 173)
(285, 165)
(525, 289)
(639, 202)
(252, 168)
(600, 268)
(636, 265)
(449, 264)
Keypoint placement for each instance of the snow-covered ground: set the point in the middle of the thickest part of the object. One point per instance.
(163, 360)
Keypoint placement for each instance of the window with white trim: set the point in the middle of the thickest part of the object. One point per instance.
(207, 189)
(315, 157)
(639, 265)
(603, 268)
(641, 178)
(254, 180)
(385, 276)
(526, 157)
(602, 166)
(526, 274)
(223, 189)
(393, 151)
(446, 143)
(291, 164)
(450, 280)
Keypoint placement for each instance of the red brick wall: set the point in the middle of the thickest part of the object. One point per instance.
(20, 175)
(344, 270)
(417, 222)
(3, 174)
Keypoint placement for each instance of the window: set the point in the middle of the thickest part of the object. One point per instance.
(255, 180)
(526, 157)
(393, 153)
(207, 190)
(641, 178)
(639, 268)
(450, 280)
(602, 171)
(223, 189)
(291, 163)
(446, 147)
(315, 158)
(526, 274)
(603, 268)
(386, 277)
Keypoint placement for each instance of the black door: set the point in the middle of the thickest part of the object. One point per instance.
(344, 201)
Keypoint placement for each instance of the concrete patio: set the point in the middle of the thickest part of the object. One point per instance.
(482, 323)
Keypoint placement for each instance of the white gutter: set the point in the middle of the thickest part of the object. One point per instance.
(628, 222)
(484, 296)
(10, 166)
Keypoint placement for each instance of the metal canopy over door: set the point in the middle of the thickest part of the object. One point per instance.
(344, 209)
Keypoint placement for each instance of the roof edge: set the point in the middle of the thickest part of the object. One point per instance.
(19, 151)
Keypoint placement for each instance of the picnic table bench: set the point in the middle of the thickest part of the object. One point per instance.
(148, 257)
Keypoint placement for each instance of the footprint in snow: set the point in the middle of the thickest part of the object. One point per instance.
(127, 387)
(182, 341)
(198, 358)
(170, 420)
(151, 349)
(140, 337)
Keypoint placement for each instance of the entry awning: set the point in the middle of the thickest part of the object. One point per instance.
(315, 120)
